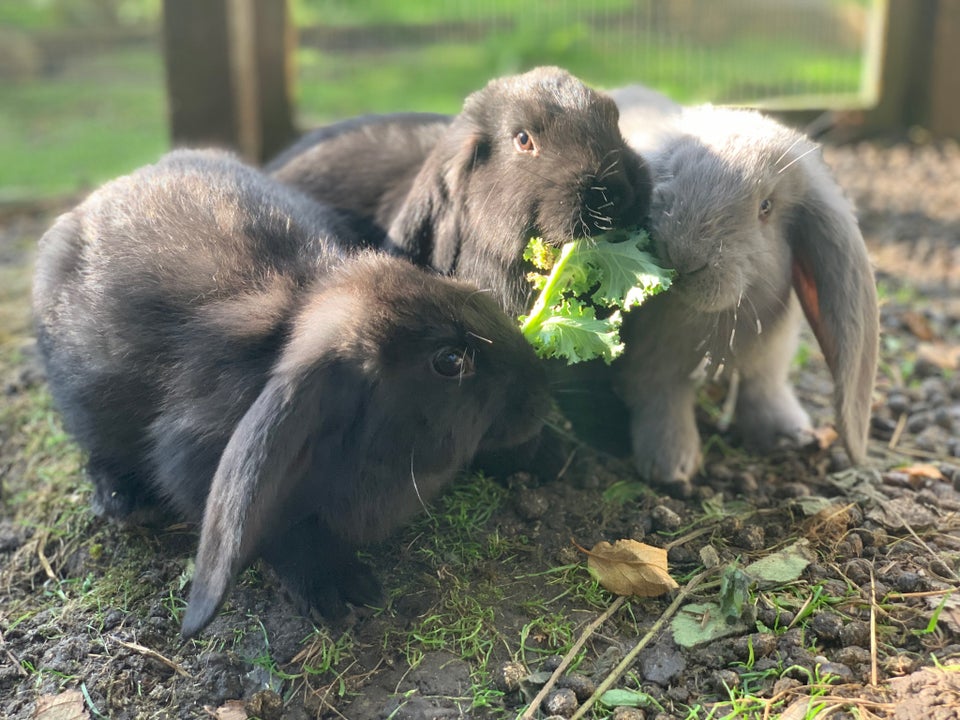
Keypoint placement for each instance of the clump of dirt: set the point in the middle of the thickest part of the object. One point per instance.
(486, 594)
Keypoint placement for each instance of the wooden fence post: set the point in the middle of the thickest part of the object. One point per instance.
(228, 74)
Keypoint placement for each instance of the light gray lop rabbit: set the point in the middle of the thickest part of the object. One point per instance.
(535, 154)
(215, 349)
(752, 219)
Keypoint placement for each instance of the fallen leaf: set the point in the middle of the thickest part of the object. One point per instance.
(826, 436)
(940, 354)
(901, 513)
(919, 325)
(781, 567)
(629, 567)
(68, 705)
(626, 698)
(700, 623)
(920, 472)
(949, 608)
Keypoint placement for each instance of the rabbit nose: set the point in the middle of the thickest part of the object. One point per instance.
(610, 205)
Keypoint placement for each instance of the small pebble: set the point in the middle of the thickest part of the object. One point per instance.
(665, 519)
(855, 632)
(785, 684)
(837, 670)
(628, 713)
(851, 547)
(898, 402)
(827, 626)
(919, 421)
(939, 567)
(531, 504)
(562, 702)
(746, 483)
(852, 655)
(858, 571)
(551, 662)
(725, 679)
(907, 582)
(508, 676)
(750, 537)
(582, 686)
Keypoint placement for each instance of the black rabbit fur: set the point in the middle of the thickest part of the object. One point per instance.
(216, 345)
(536, 154)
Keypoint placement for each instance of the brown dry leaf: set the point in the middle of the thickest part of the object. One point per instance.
(940, 354)
(919, 325)
(826, 436)
(68, 705)
(629, 567)
(922, 471)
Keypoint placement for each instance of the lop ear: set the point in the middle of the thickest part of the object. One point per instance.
(263, 473)
(835, 284)
(427, 229)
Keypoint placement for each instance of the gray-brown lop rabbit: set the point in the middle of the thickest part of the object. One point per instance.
(214, 348)
(752, 219)
(536, 154)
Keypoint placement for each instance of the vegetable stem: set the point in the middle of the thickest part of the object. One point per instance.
(551, 292)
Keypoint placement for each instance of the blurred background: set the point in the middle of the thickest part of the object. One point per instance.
(90, 89)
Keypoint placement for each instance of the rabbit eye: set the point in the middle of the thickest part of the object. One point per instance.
(453, 363)
(524, 143)
(766, 206)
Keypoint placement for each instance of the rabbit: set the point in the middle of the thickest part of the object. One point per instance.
(218, 346)
(536, 154)
(744, 209)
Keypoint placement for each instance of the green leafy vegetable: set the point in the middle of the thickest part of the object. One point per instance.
(584, 278)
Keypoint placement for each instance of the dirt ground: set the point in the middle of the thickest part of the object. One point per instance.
(487, 591)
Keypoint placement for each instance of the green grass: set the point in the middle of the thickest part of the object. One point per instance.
(103, 118)
(105, 114)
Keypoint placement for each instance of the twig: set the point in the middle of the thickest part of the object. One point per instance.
(874, 675)
(898, 431)
(926, 454)
(631, 656)
(13, 658)
(136, 647)
(47, 568)
(568, 658)
(928, 548)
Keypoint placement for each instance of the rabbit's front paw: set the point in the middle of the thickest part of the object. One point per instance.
(773, 419)
(325, 591)
(666, 449)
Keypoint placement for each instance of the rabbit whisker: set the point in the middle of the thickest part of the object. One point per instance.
(416, 488)
(784, 154)
(609, 170)
(798, 158)
(479, 337)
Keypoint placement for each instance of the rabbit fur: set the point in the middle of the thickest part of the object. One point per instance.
(745, 209)
(536, 154)
(214, 348)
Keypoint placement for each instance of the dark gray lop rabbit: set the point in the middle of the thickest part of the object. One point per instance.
(536, 154)
(213, 347)
(752, 219)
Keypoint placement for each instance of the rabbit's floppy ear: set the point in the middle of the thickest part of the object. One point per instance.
(834, 282)
(262, 474)
(426, 229)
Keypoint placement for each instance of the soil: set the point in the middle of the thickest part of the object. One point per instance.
(487, 590)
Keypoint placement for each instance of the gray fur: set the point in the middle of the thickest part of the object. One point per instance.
(732, 302)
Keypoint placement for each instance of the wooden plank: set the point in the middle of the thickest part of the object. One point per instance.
(228, 68)
(944, 110)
